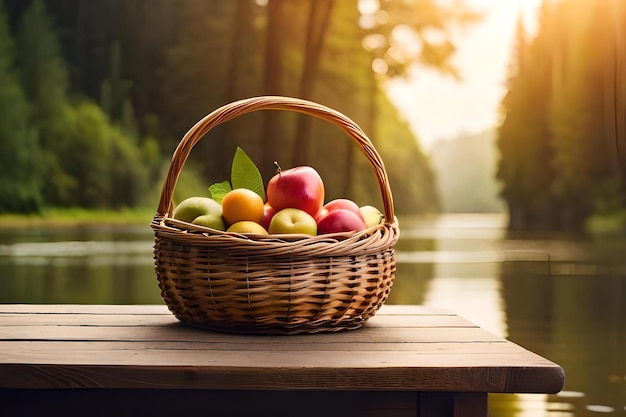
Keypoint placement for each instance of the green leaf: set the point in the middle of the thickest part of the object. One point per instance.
(219, 190)
(245, 174)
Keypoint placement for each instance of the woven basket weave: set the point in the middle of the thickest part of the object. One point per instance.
(277, 284)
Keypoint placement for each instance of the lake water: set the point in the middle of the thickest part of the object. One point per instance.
(563, 297)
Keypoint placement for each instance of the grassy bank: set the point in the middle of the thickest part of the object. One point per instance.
(71, 217)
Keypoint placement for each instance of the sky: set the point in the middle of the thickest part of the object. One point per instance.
(437, 107)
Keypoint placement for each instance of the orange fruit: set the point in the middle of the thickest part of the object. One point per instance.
(242, 204)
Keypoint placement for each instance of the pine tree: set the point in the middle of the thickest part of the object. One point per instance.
(44, 79)
(20, 156)
(524, 137)
(580, 152)
(42, 69)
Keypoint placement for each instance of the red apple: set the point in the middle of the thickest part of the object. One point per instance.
(268, 213)
(339, 220)
(300, 187)
(340, 203)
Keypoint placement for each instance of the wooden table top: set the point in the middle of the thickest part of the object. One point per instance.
(402, 348)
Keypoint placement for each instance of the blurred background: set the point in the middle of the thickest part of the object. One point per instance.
(501, 124)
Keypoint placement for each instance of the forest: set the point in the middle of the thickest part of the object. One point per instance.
(96, 94)
(562, 142)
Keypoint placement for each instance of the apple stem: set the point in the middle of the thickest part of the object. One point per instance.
(278, 169)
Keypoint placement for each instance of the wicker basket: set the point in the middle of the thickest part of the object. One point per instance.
(273, 284)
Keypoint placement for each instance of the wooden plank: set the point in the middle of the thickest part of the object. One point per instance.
(75, 319)
(38, 349)
(90, 319)
(181, 333)
(162, 309)
(145, 347)
(469, 379)
(138, 354)
(113, 309)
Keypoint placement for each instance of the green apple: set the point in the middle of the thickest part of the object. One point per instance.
(212, 220)
(202, 211)
(371, 215)
(293, 221)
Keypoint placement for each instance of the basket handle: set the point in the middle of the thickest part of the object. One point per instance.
(241, 107)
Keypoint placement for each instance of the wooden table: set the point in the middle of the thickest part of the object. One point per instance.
(139, 360)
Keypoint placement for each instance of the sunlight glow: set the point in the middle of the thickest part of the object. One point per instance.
(368, 6)
(374, 41)
(437, 106)
(379, 66)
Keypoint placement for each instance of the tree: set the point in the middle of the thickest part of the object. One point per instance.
(273, 74)
(20, 153)
(84, 158)
(42, 69)
(212, 52)
(44, 79)
(576, 125)
(524, 136)
(610, 25)
(317, 26)
(563, 120)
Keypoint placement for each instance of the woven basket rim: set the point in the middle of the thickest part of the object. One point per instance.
(371, 240)
(165, 222)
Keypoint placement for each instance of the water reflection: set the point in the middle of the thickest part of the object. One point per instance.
(559, 296)
(95, 265)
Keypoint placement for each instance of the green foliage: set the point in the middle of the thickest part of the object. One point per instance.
(42, 70)
(88, 145)
(158, 67)
(44, 79)
(219, 190)
(245, 174)
(526, 168)
(20, 154)
(63, 153)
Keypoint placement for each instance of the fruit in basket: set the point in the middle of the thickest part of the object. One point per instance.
(371, 215)
(293, 221)
(200, 210)
(339, 220)
(246, 227)
(300, 188)
(242, 204)
(214, 221)
(339, 203)
(268, 213)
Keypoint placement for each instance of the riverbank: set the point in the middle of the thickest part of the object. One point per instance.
(78, 216)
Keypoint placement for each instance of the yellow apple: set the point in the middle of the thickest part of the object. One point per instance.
(247, 227)
(371, 215)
